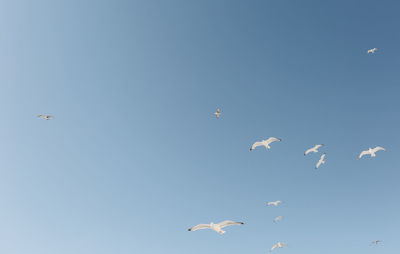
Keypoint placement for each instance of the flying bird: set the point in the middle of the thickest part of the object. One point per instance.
(313, 149)
(371, 151)
(372, 51)
(375, 242)
(278, 218)
(46, 117)
(279, 245)
(217, 113)
(321, 161)
(216, 227)
(275, 203)
(265, 143)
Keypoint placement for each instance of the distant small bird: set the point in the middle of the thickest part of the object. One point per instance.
(265, 143)
(371, 151)
(217, 113)
(313, 149)
(278, 218)
(375, 242)
(321, 161)
(372, 51)
(46, 117)
(216, 227)
(279, 245)
(275, 203)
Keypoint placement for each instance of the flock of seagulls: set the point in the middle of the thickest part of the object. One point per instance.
(266, 143)
(217, 227)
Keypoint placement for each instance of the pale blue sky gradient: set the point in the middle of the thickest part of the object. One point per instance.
(135, 156)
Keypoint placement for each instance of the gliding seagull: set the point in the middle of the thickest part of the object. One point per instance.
(275, 203)
(321, 161)
(371, 151)
(46, 117)
(278, 218)
(279, 245)
(375, 242)
(313, 149)
(216, 227)
(372, 51)
(217, 113)
(265, 143)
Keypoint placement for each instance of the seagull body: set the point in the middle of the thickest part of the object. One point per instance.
(375, 242)
(313, 149)
(46, 117)
(371, 151)
(372, 51)
(265, 143)
(278, 218)
(275, 203)
(216, 227)
(321, 161)
(217, 113)
(279, 245)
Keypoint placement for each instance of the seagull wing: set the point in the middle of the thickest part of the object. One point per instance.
(229, 223)
(200, 226)
(272, 139)
(260, 143)
(273, 247)
(308, 151)
(363, 153)
(378, 148)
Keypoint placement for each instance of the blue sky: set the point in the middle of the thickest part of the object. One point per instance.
(135, 156)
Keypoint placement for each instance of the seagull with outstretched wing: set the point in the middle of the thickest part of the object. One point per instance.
(371, 151)
(274, 203)
(216, 227)
(217, 113)
(265, 143)
(321, 161)
(278, 245)
(313, 149)
(46, 117)
(371, 51)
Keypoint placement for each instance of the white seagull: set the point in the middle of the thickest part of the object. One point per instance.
(265, 143)
(313, 149)
(278, 218)
(275, 203)
(371, 151)
(375, 242)
(46, 117)
(372, 51)
(217, 113)
(216, 227)
(321, 161)
(279, 245)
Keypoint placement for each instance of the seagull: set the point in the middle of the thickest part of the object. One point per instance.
(321, 161)
(372, 51)
(216, 227)
(265, 143)
(275, 203)
(313, 149)
(278, 218)
(371, 151)
(375, 242)
(46, 117)
(217, 113)
(279, 245)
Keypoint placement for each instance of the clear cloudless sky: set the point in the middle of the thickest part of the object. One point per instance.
(135, 156)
